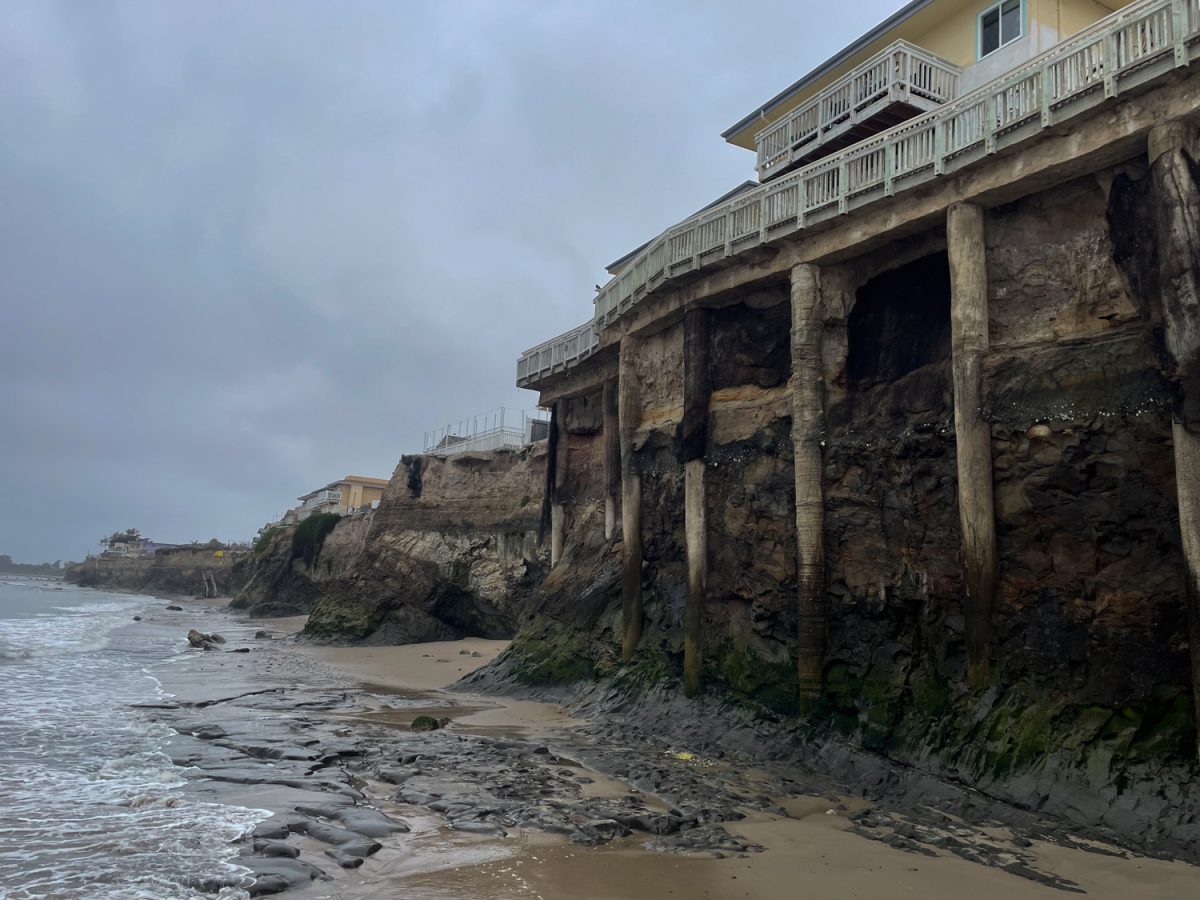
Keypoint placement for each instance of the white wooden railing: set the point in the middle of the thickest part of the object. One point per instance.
(1129, 48)
(557, 354)
(900, 73)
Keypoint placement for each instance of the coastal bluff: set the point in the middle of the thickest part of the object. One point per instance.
(452, 551)
(190, 570)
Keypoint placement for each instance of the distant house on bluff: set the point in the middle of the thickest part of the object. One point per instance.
(921, 407)
(352, 493)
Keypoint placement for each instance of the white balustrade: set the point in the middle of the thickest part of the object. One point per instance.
(1124, 49)
(900, 73)
(557, 353)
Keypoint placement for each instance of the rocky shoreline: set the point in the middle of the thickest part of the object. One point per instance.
(360, 802)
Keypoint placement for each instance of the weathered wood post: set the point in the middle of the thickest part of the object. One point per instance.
(808, 435)
(692, 443)
(612, 458)
(629, 413)
(1177, 227)
(557, 510)
(976, 510)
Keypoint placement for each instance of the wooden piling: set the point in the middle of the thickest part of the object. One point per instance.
(808, 435)
(629, 413)
(976, 510)
(612, 457)
(692, 442)
(557, 510)
(1177, 231)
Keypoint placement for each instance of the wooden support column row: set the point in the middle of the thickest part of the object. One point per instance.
(808, 435)
(1177, 231)
(629, 413)
(692, 443)
(557, 510)
(612, 458)
(976, 510)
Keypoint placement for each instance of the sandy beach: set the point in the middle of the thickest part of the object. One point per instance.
(518, 799)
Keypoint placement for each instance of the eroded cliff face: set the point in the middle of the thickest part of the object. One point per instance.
(278, 581)
(453, 550)
(1087, 711)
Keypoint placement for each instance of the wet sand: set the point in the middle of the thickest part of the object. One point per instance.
(483, 772)
(809, 852)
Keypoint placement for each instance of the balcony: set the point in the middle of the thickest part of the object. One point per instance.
(899, 82)
(323, 498)
(1118, 55)
(557, 354)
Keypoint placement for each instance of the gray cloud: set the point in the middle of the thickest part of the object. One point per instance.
(248, 248)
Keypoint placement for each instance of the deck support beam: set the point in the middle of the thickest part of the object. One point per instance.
(558, 512)
(808, 436)
(976, 507)
(1177, 232)
(629, 414)
(612, 457)
(691, 444)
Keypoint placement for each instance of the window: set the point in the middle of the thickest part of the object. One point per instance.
(999, 25)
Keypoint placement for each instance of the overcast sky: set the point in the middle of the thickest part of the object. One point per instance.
(247, 248)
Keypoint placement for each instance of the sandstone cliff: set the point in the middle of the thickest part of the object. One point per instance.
(279, 582)
(451, 551)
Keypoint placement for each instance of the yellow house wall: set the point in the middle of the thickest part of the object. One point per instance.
(953, 38)
(948, 30)
(1079, 14)
(357, 495)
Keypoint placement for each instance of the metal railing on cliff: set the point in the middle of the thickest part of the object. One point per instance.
(491, 431)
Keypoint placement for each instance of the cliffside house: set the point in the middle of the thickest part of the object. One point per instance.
(954, 209)
(352, 493)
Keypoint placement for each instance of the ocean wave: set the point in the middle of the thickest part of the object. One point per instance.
(90, 801)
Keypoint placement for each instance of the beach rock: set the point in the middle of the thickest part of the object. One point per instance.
(175, 609)
(361, 820)
(345, 860)
(348, 842)
(268, 884)
(261, 634)
(273, 875)
(276, 848)
(198, 638)
(137, 618)
(425, 723)
(275, 828)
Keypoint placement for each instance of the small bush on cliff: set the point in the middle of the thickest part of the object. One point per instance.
(310, 535)
(264, 540)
